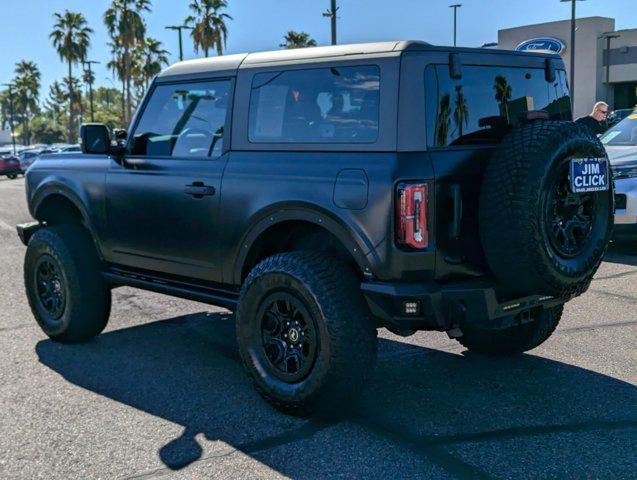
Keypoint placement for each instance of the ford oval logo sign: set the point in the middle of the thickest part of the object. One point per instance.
(543, 45)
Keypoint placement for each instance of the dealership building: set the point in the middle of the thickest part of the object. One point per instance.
(600, 73)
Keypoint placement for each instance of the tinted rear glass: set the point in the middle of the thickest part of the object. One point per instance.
(479, 108)
(322, 105)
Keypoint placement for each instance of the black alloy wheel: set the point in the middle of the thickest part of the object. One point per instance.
(51, 286)
(569, 216)
(289, 337)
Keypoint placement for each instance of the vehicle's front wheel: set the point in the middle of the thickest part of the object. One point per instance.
(512, 340)
(68, 297)
(12, 176)
(304, 333)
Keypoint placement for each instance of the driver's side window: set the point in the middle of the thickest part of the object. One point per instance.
(183, 121)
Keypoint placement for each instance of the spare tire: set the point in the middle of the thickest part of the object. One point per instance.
(538, 236)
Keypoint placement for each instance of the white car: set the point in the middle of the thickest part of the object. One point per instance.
(621, 145)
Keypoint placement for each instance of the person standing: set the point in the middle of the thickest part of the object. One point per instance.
(596, 120)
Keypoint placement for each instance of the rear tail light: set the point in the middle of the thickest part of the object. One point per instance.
(411, 215)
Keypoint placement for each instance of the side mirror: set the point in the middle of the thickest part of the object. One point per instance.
(96, 138)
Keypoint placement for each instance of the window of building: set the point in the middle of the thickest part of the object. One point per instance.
(184, 120)
(479, 108)
(324, 105)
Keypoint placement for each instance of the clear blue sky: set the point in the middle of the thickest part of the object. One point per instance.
(260, 24)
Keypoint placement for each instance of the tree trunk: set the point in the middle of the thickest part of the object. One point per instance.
(71, 113)
(26, 128)
(127, 76)
(123, 103)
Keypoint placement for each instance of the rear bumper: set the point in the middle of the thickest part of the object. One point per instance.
(444, 307)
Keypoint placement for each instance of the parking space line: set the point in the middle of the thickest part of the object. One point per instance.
(630, 298)
(595, 327)
(5, 226)
(617, 275)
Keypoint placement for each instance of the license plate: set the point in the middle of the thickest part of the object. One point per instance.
(589, 175)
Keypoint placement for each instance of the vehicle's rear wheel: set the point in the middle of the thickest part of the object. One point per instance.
(12, 176)
(304, 333)
(512, 340)
(538, 235)
(66, 292)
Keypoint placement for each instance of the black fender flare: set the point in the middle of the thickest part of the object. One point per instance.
(358, 245)
(50, 189)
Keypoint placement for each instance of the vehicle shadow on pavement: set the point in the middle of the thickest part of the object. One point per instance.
(426, 412)
(622, 252)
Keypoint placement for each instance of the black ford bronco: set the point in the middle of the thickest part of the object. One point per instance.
(324, 193)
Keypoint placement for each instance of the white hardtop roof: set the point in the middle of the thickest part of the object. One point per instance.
(233, 62)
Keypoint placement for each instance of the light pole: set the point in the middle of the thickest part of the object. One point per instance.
(608, 36)
(90, 84)
(331, 14)
(10, 87)
(455, 7)
(572, 46)
(179, 28)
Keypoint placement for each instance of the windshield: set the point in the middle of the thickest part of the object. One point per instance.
(624, 133)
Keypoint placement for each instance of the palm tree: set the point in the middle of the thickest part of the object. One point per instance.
(461, 111)
(5, 109)
(209, 28)
(443, 120)
(57, 97)
(116, 65)
(150, 59)
(71, 38)
(127, 29)
(27, 83)
(503, 93)
(295, 39)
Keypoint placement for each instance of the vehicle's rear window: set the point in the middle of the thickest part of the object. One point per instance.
(624, 133)
(322, 105)
(478, 108)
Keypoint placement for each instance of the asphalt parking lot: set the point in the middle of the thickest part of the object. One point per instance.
(162, 393)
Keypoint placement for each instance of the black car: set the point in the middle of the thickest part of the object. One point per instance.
(323, 193)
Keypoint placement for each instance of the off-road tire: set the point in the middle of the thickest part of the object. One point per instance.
(514, 196)
(347, 337)
(87, 298)
(513, 340)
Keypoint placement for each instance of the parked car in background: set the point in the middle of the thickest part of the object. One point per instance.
(618, 115)
(27, 157)
(9, 166)
(621, 145)
(70, 149)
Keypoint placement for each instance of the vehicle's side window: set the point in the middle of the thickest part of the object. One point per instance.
(183, 120)
(479, 108)
(321, 105)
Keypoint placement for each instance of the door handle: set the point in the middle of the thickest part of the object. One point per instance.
(199, 190)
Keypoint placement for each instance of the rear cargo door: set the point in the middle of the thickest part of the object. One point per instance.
(471, 100)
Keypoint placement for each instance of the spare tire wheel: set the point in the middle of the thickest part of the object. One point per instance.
(538, 235)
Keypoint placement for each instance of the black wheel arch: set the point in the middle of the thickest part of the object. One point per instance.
(266, 223)
(57, 203)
